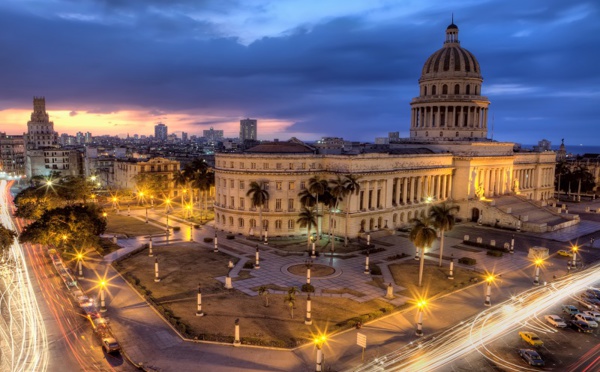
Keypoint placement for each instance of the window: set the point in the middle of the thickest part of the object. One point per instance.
(278, 204)
(312, 166)
(425, 91)
(278, 166)
(266, 186)
(292, 186)
(444, 89)
(252, 223)
(302, 185)
(231, 183)
(230, 164)
(302, 165)
(242, 185)
(253, 165)
(277, 224)
(265, 165)
(231, 221)
(468, 89)
(232, 202)
(242, 202)
(291, 224)
(433, 91)
(290, 204)
(240, 222)
(278, 185)
(291, 166)
(241, 165)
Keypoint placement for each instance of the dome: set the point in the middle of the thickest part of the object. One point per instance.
(451, 60)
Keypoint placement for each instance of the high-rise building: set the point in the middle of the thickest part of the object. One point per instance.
(184, 136)
(161, 132)
(213, 135)
(248, 129)
(40, 130)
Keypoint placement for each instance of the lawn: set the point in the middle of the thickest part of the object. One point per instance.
(435, 281)
(183, 266)
(130, 226)
(323, 246)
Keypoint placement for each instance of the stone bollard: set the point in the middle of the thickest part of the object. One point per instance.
(390, 291)
(236, 341)
(479, 240)
(493, 243)
(451, 274)
(114, 239)
(466, 238)
(367, 271)
(230, 265)
(156, 277)
(313, 254)
(308, 319)
(216, 249)
(199, 312)
(150, 254)
(257, 263)
(266, 237)
(228, 284)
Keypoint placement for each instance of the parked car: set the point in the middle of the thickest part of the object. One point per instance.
(569, 309)
(531, 338)
(110, 345)
(588, 304)
(555, 321)
(580, 326)
(592, 293)
(593, 314)
(586, 319)
(531, 356)
(564, 253)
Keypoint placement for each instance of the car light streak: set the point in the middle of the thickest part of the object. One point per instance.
(23, 338)
(478, 332)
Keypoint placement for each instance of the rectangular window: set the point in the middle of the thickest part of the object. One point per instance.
(291, 166)
(242, 203)
(278, 204)
(278, 185)
(265, 165)
(291, 224)
(231, 183)
(278, 166)
(302, 185)
(253, 165)
(290, 205)
(230, 164)
(241, 165)
(292, 186)
(302, 165)
(232, 202)
(242, 185)
(278, 224)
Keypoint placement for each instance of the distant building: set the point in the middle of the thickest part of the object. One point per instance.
(543, 145)
(393, 137)
(248, 130)
(213, 135)
(12, 154)
(126, 170)
(184, 136)
(161, 132)
(382, 140)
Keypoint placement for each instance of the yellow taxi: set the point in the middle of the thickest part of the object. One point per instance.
(564, 253)
(531, 338)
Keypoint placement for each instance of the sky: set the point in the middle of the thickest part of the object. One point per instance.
(344, 68)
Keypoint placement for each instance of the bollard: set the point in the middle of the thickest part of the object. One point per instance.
(114, 239)
(488, 294)
(236, 341)
(156, 277)
(150, 248)
(257, 263)
(390, 291)
(451, 275)
(102, 303)
(216, 243)
(266, 237)
(368, 240)
(313, 254)
(80, 264)
(199, 312)
(228, 284)
(308, 319)
(230, 265)
(419, 331)
(367, 271)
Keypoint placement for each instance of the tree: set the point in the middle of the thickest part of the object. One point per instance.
(180, 178)
(7, 238)
(306, 198)
(73, 188)
(422, 235)
(32, 202)
(352, 187)
(307, 218)
(203, 179)
(264, 292)
(259, 196)
(443, 220)
(290, 300)
(151, 184)
(338, 192)
(317, 186)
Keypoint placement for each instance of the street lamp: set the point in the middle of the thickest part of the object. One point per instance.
(146, 214)
(420, 308)
(115, 204)
(319, 342)
(152, 201)
(167, 205)
(574, 249)
(80, 265)
(141, 197)
(167, 229)
(538, 263)
(102, 303)
(488, 290)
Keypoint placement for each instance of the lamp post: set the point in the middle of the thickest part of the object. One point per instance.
(146, 214)
(313, 255)
(80, 265)
(141, 198)
(308, 264)
(199, 312)
(308, 319)
(512, 244)
(574, 249)
(115, 203)
(102, 302)
(150, 254)
(191, 231)
(266, 237)
(216, 243)
(257, 263)
(536, 279)
(128, 210)
(451, 274)
(156, 277)
(319, 341)
(167, 228)
(420, 307)
(367, 271)
(152, 201)
(368, 239)
(488, 290)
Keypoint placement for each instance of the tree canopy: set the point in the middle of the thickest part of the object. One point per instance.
(7, 237)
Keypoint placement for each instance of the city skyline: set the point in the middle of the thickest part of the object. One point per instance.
(351, 69)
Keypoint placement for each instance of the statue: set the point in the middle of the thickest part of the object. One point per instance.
(480, 192)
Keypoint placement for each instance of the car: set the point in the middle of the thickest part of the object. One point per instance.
(593, 314)
(592, 293)
(110, 345)
(588, 304)
(531, 338)
(569, 309)
(531, 356)
(564, 253)
(586, 319)
(580, 326)
(555, 321)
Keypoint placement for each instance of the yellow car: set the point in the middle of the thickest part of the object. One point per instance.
(531, 338)
(564, 253)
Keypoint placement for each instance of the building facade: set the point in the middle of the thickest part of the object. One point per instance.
(127, 170)
(448, 157)
(161, 132)
(12, 154)
(248, 130)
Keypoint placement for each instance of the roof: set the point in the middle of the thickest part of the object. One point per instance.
(293, 146)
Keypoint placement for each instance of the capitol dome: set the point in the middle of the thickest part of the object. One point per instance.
(451, 60)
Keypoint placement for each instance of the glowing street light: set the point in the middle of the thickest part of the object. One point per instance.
(115, 203)
(167, 205)
(80, 265)
(421, 304)
(488, 290)
(538, 263)
(104, 214)
(319, 341)
(574, 249)
(102, 303)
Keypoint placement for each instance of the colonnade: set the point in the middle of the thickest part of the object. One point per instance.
(449, 116)
(527, 177)
(416, 189)
(492, 181)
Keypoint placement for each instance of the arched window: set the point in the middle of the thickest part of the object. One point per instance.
(402, 217)
(457, 89)
(433, 90)
(231, 221)
(380, 223)
(240, 222)
(468, 88)
(223, 219)
(252, 223)
(444, 89)
(426, 134)
(395, 218)
(277, 224)
(362, 225)
(477, 89)
(218, 218)
(371, 224)
(425, 91)
(266, 224)
(441, 134)
(291, 224)
(423, 213)
(409, 216)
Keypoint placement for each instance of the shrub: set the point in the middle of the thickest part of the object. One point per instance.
(196, 226)
(208, 240)
(372, 250)
(317, 254)
(495, 253)
(249, 265)
(375, 270)
(467, 261)
(230, 236)
(307, 288)
(176, 228)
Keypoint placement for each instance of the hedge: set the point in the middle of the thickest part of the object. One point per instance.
(467, 261)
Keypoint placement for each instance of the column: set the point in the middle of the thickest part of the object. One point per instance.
(437, 187)
(449, 185)
(492, 182)
(413, 182)
(404, 190)
(371, 195)
(419, 189)
(444, 196)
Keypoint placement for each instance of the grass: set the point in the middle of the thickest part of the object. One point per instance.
(435, 278)
(315, 271)
(322, 246)
(123, 225)
(183, 266)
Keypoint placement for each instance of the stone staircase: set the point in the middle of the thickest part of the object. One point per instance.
(512, 211)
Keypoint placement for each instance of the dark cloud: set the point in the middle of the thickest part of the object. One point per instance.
(348, 76)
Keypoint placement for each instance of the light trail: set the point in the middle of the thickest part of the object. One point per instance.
(476, 333)
(23, 338)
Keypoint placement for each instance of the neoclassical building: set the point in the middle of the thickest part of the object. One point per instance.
(448, 157)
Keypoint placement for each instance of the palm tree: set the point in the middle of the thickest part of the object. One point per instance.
(264, 292)
(180, 179)
(259, 196)
(7, 237)
(306, 198)
(338, 191)
(422, 235)
(317, 186)
(290, 300)
(307, 218)
(352, 187)
(443, 220)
